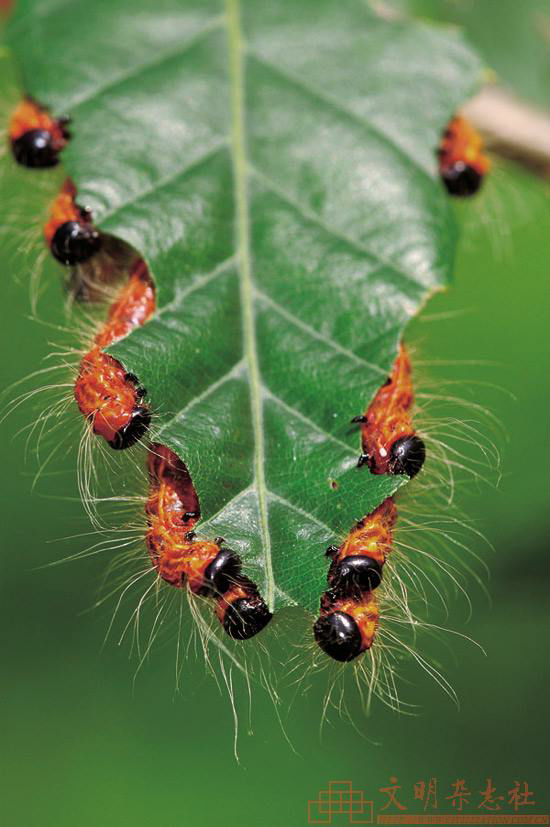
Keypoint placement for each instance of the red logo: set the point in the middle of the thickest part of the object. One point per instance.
(340, 800)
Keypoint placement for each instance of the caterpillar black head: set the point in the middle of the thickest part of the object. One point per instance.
(339, 636)
(74, 242)
(461, 179)
(354, 575)
(246, 616)
(221, 573)
(36, 148)
(407, 456)
(133, 431)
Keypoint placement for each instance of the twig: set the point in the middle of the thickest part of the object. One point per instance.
(513, 128)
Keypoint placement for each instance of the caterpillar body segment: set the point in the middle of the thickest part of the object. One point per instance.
(36, 138)
(68, 232)
(463, 164)
(242, 610)
(346, 627)
(357, 564)
(106, 395)
(179, 559)
(207, 568)
(389, 442)
(349, 612)
(166, 468)
(134, 305)
(109, 399)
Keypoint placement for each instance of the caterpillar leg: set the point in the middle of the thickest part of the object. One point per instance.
(389, 441)
(462, 162)
(36, 138)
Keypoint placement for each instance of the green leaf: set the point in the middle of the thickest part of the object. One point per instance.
(274, 162)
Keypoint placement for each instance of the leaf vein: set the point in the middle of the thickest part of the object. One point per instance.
(297, 322)
(298, 510)
(231, 374)
(146, 66)
(181, 172)
(200, 281)
(332, 102)
(309, 422)
(313, 217)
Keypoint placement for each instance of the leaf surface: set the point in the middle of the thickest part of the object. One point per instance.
(274, 162)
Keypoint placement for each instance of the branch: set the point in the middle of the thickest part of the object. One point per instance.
(513, 128)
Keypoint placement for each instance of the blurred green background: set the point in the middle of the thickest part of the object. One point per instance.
(513, 37)
(82, 744)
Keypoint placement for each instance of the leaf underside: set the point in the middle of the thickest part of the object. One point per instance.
(274, 162)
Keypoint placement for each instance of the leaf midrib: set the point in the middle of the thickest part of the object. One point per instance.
(238, 153)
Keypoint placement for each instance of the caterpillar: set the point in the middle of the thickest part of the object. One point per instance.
(110, 398)
(36, 138)
(462, 163)
(69, 233)
(389, 442)
(207, 568)
(349, 612)
(95, 260)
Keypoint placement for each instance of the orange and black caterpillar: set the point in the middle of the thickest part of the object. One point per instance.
(389, 441)
(110, 398)
(207, 568)
(462, 162)
(349, 612)
(36, 138)
(69, 232)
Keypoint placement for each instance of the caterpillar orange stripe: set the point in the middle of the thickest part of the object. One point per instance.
(462, 162)
(390, 444)
(206, 567)
(107, 396)
(349, 613)
(69, 232)
(36, 138)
